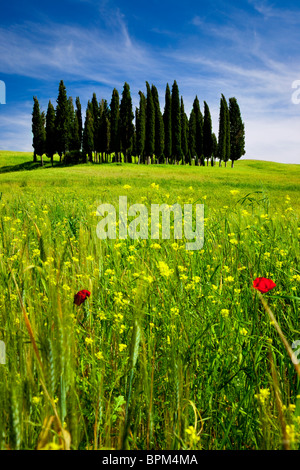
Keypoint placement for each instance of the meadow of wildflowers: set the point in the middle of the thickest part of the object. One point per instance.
(171, 349)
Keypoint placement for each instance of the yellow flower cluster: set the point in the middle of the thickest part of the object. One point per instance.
(164, 269)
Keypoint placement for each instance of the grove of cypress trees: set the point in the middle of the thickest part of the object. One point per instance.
(38, 131)
(237, 131)
(176, 123)
(126, 124)
(167, 117)
(207, 134)
(50, 148)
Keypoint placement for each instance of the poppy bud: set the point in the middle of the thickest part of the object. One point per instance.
(80, 297)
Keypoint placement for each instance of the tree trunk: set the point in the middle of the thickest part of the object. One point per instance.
(232, 163)
(34, 157)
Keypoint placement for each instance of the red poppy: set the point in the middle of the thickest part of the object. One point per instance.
(263, 284)
(80, 297)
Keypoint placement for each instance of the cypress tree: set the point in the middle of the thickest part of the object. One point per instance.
(96, 124)
(214, 148)
(88, 133)
(38, 131)
(141, 128)
(115, 124)
(71, 124)
(150, 125)
(237, 131)
(50, 148)
(159, 127)
(199, 132)
(184, 134)
(167, 117)
(176, 123)
(104, 129)
(126, 124)
(224, 132)
(62, 120)
(207, 134)
(79, 120)
(192, 136)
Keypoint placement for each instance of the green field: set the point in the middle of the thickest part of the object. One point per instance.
(173, 349)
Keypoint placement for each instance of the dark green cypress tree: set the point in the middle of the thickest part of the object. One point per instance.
(184, 134)
(88, 133)
(126, 123)
(150, 125)
(71, 124)
(192, 136)
(167, 117)
(115, 124)
(50, 132)
(38, 131)
(207, 134)
(62, 121)
(79, 119)
(159, 127)
(237, 131)
(96, 124)
(104, 129)
(176, 124)
(141, 128)
(214, 149)
(199, 132)
(224, 132)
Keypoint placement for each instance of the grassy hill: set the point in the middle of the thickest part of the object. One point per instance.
(173, 349)
(247, 176)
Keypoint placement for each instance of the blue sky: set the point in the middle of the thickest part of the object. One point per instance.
(249, 49)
